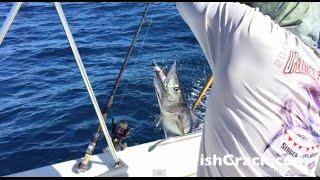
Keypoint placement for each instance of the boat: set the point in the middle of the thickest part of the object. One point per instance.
(173, 157)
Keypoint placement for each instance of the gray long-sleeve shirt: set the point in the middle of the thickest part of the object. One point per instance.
(263, 117)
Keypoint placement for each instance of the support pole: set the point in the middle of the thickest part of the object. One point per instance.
(7, 23)
(86, 81)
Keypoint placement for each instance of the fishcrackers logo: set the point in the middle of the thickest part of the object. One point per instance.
(295, 64)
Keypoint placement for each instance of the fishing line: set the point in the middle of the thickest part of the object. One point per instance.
(136, 59)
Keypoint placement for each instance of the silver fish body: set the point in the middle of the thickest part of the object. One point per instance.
(175, 116)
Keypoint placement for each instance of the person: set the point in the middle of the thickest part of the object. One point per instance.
(120, 130)
(263, 118)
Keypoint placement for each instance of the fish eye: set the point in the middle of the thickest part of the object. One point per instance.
(176, 88)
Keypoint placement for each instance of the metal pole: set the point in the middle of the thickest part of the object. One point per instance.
(7, 23)
(84, 164)
(86, 80)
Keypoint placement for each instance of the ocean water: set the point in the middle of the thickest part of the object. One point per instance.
(46, 115)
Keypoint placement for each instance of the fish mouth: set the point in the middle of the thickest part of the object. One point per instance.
(164, 97)
(158, 97)
(160, 74)
(159, 80)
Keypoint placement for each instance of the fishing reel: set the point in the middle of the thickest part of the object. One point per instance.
(120, 131)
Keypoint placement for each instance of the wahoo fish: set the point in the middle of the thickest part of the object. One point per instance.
(176, 117)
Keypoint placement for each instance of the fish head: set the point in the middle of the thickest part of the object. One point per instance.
(168, 89)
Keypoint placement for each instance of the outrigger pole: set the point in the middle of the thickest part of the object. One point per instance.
(84, 164)
(6, 26)
(7, 23)
(87, 82)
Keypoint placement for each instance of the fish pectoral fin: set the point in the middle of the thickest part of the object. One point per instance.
(179, 124)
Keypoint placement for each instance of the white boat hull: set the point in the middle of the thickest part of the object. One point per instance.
(172, 157)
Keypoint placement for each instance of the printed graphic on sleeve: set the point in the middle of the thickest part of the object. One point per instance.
(298, 139)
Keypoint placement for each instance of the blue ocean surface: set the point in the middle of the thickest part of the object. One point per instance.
(46, 115)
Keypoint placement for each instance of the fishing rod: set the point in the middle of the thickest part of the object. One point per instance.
(203, 92)
(83, 165)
